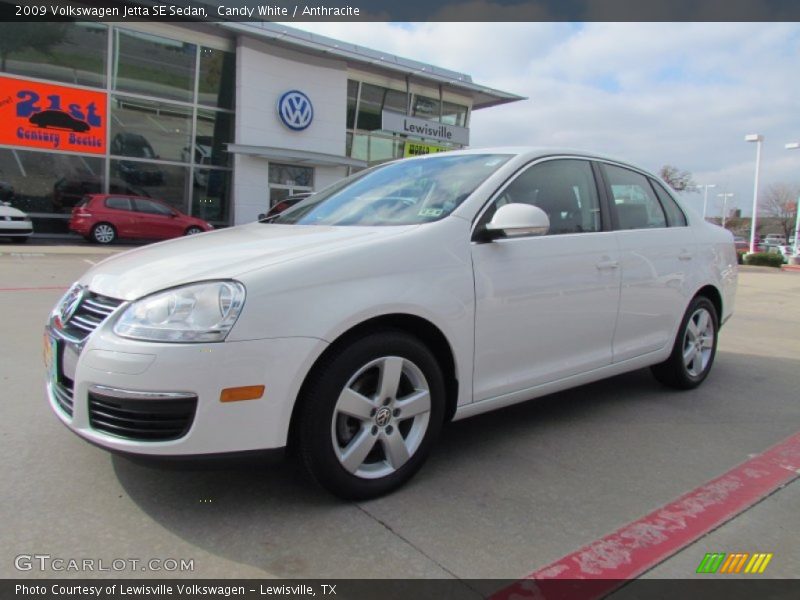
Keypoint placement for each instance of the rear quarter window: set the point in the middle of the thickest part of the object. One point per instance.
(675, 216)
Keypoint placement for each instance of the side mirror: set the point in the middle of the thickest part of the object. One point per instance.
(513, 220)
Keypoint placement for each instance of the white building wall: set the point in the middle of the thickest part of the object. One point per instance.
(263, 74)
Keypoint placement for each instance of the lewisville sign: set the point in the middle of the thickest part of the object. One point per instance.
(400, 123)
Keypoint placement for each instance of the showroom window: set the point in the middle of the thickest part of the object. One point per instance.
(153, 66)
(171, 116)
(64, 52)
(636, 204)
(374, 100)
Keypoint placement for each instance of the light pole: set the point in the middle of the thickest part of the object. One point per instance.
(705, 186)
(758, 139)
(795, 146)
(724, 197)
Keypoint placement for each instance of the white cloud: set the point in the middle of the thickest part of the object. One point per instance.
(655, 93)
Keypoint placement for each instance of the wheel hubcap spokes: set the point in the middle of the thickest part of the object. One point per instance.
(698, 342)
(381, 417)
(104, 234)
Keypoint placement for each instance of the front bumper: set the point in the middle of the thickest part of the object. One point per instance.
(111, 391)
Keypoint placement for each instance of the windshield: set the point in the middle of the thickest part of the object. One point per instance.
(406, 192)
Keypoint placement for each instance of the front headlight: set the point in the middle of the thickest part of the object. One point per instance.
(200, 312)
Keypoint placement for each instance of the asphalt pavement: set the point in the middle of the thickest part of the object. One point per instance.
(502, 495)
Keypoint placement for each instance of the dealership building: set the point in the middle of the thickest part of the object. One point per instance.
(220, 120)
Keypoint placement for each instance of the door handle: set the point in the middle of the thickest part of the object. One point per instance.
(607, 264)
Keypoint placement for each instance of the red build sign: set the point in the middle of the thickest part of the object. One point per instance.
(53, 117)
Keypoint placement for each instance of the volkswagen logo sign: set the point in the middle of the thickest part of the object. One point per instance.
(295, 110)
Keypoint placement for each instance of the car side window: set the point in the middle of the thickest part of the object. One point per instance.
(634, 200)
(118, 203)
(675, 216)
(564, 188)
(153, 208)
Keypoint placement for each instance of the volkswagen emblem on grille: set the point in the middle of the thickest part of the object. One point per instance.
(71, 303)
(295, 110)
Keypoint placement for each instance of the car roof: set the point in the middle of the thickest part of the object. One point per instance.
(534, 152)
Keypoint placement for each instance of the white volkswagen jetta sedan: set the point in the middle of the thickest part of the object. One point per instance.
(353, 325)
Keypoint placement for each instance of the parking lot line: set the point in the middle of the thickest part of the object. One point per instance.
(608, 562)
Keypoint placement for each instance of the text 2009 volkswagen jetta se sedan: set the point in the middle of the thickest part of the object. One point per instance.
(357, 322)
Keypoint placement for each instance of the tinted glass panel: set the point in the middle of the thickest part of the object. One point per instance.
(214, 131)
(675, 216)
(217, 78)
(40, 182)
(118, 203)
(426, 108)
(352, 96)
(169, 183)
(564, 189)
(374, 99)
(154, 66)
(454, 114)
(210, 195)
(68, 52)
(291, 175)
(150, 130)
(636, 205)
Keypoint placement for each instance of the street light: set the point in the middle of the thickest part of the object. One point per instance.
(705, 194)
(757, 138)
(795, 146)
(724, 204)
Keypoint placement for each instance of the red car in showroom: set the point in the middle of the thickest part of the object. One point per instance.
(103, 218)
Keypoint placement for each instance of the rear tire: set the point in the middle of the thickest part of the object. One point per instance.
(369, 415)
(104, 233)
(694, 349)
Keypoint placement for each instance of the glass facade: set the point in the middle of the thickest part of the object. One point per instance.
(365, 102)
(170, 116)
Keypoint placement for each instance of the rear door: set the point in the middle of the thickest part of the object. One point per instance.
(657, 251)
(545, 306)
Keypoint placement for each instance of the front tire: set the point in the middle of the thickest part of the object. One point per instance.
(370, 414)
(695, 347)
(193, 230)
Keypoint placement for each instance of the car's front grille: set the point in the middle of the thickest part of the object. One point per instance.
(62, 393)
(142, 420)
(91, 312)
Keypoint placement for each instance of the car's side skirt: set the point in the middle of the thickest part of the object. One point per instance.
(639, 362)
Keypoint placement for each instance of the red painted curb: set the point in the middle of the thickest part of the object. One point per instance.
(599, 568)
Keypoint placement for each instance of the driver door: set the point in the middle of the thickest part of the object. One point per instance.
(546, 306)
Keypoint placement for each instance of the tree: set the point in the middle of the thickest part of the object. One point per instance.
(780, 203)
(38, 36)
(678, 180)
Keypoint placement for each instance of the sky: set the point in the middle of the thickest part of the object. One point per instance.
(683, 94)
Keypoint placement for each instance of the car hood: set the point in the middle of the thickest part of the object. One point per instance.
(223, 254)
(10, 211)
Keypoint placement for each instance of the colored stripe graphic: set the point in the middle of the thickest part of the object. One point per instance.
(711, 563)
(602, 566)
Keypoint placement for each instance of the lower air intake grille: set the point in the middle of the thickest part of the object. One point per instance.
(142, 420)
(62, 392)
